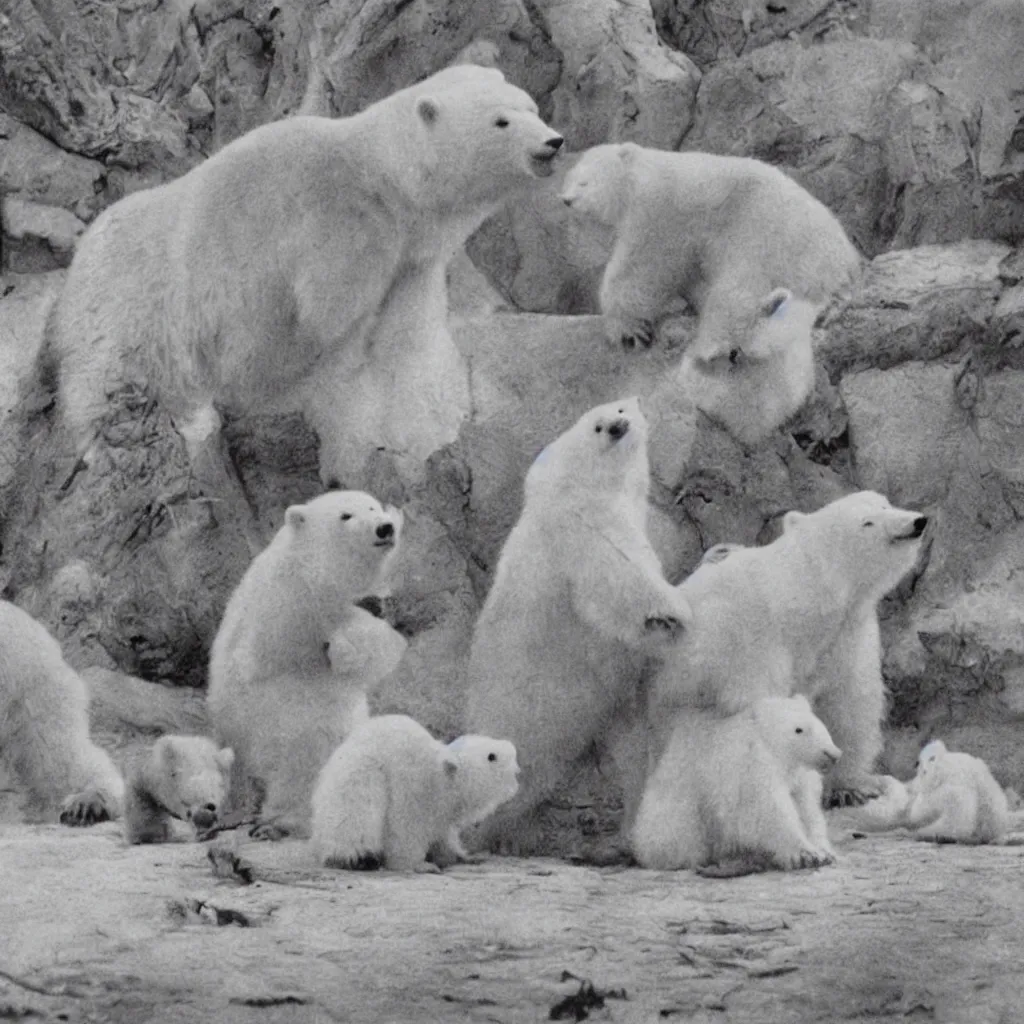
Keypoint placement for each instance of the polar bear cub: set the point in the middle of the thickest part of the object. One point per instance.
(183, 778)
(757, 256)
(294, 656)
(578, 603)
(391, 794)
(800, 615)
(748, 785)
(44, 728)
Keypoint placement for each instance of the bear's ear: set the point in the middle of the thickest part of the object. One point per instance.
(790, 519)
(225, 758)
(295, 517)
(428, 110)
(774, 301)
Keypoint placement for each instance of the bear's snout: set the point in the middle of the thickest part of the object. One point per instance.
(385, 531)
(555, 143)
(920, 525)
(567, 200)
(618, 428)
(830, 756)
(204, 817)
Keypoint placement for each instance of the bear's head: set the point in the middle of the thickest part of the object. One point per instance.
(751, 365)
(604, 451)
(601, 182)
(863, 538)
(483, 773)
(481, 137)
(931, 767)
(794, 733)
(345, 535)
(192, 777)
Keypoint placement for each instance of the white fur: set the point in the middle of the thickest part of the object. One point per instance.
(578, 601)
(184, 777)
(294, 658)
(391, 793)
(954, 797)
(800, 615)
(44, 728)
(305, 239)
(747, 784)
(757, 255)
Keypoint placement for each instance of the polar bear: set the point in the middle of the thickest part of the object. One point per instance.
(952, 798)
(391, 794)
(305, 239)
(294, 657)
(577, 603)
(745, 785)
(44, 728)
(756, 255)
(183, 778)
(800, 615)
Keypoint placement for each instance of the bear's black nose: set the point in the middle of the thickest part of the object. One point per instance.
(567, 200)
(919, 525)
(211, 807)
(385, 530)
(618, 428)
(555, 143)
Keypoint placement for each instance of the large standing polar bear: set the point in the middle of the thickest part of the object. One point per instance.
(577, 604)
(800, 615)
(757, 255)
(309, 246)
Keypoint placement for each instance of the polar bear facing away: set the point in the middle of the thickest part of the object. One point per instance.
(304, 239)
(294, 656)
(44, 728)
(743, 786)
(577, 604)
(757, 256)
(800, 615)
(954, 798)
(391, 794)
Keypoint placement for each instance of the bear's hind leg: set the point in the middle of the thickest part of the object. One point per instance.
(956, 820)
(634, 294)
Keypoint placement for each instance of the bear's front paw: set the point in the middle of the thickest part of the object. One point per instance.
(268, 831)
(853, 792)
(89, 807)
(630, 333)
(667, 625)
(803, 858)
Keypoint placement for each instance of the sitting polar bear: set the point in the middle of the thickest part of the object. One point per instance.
(44, 728)
(305, 239)
(799, 615)
(391, 794)
(294, 656)
(757, 256)
(953, 798)
(747, 786)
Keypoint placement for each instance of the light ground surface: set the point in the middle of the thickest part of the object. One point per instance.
(897, 930)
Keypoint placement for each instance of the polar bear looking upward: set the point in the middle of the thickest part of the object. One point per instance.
(756, 255)
(294, 656)
(800, 615)
(577, 603)
(305, 239)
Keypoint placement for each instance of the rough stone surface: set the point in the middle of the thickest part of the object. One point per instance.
(897, 930)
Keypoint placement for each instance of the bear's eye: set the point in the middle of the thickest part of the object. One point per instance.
(869, 522)
(597, 429)
(501, 122)
(799, 730)
(492, 757)
(346, 516)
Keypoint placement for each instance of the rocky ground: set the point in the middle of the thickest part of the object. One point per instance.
(95, 931)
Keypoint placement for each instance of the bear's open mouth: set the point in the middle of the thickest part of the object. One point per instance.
(542, 163)
(388, 542)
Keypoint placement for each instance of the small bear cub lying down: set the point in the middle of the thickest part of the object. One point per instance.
(184, 778)
(391, 795)
(743, 786)
(953, 798)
